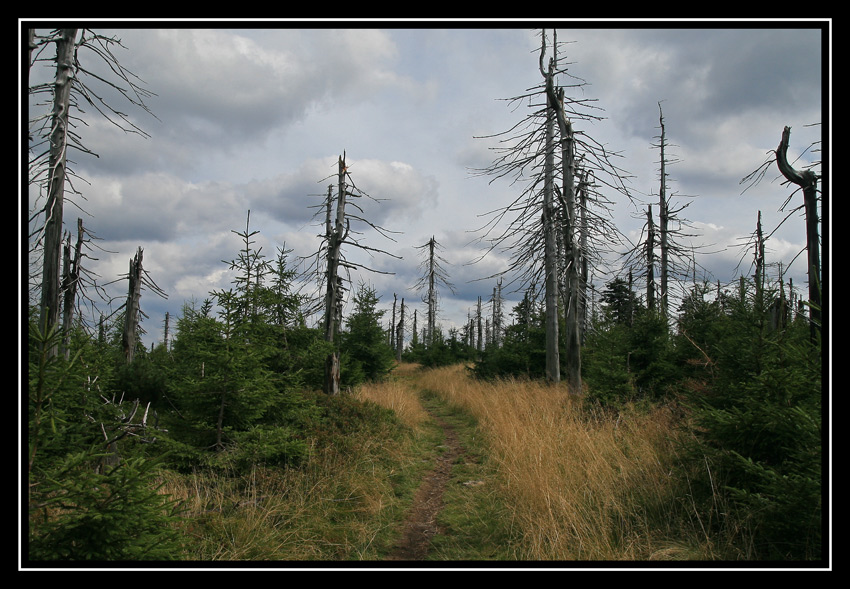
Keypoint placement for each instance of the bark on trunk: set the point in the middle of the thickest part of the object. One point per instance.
(70, 281)
(807, 180)
(553, 363)
(663, 220)
(650, 260)
(131, 310)
(56, 182)
(335, 234)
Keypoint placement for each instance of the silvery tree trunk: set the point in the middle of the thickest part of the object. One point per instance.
(56, 183)
(553, 365)
(335, 234)
(663, 221)
(572, 330)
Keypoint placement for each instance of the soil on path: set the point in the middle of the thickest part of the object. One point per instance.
(421, 523)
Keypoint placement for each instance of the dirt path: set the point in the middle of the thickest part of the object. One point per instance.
(421, 523)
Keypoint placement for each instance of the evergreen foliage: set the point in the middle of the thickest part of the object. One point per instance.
(750, 386)
(523, 348)
(440, 352)
(236, 389)
(366, 355)
(82, 506)
(758, 423)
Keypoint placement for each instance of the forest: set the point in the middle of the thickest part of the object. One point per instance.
(272, 384)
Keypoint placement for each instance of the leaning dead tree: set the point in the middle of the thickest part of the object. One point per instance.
(806, 180)
(53, 137)
(338, 232)
(557, 212)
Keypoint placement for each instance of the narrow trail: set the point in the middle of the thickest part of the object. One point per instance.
(421, 523)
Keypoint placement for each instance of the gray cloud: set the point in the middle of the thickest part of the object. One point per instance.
(256, 118)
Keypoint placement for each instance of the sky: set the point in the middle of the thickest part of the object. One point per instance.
(253, 116)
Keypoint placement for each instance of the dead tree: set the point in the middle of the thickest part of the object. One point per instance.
(674, 256)
(399, 339)
(545, 216)
(56, 172)
(433, 274)
(496, 304)
(337, 224)
(336, 231)
(650, 260)
(70, 284)
(807, 180)
(392, 330)
(52, 136)
(663, 218)
(759, 263)
(480, 343)
(137, 278)
(131, 307)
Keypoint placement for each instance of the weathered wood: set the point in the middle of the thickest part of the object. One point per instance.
(131, 309)
(807, 180)
(70, 285)
(650, 260)
(553, 364)
(399, 339)
(335, 235)
(56, 184)
(663, 222)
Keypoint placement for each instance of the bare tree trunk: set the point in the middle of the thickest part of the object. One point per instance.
(807, 180)
(650, 260)
(553, 364)
(480, 334)
(572, 347)
(413, 332)
(497, 313)
(165, 330)
(663, 218)
(393, 323)
(582, 299)
(335, 234)
(131, 309)
(56, 183)
(70, 282)
(399, 340)
(759, 279)
(432, 295)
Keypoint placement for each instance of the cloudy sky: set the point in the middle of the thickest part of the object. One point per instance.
(253, 116)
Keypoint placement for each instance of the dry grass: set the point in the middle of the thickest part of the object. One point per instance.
(274, 514)
(580, 486)
(397, 394)
(338, 506)
(583, 486)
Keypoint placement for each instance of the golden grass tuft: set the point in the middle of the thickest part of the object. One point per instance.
(398, 396)
(583, 486)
